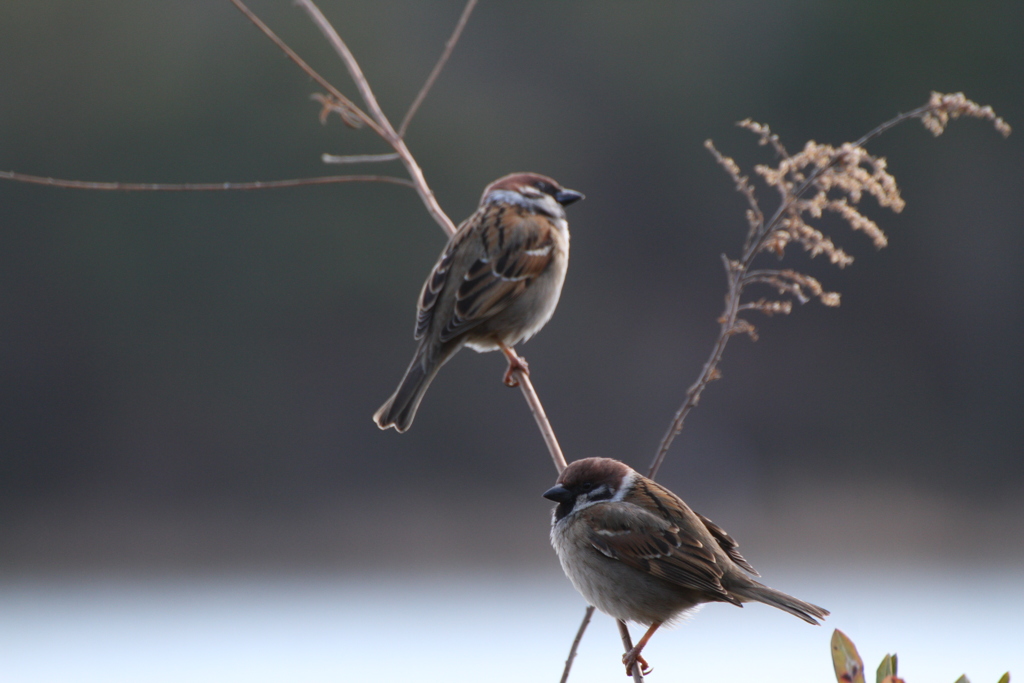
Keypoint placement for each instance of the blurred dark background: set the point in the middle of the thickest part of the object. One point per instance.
(187, 379)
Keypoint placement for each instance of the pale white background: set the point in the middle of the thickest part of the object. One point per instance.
(474, 628)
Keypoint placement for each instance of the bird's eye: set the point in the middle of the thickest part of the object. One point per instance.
(586, 487)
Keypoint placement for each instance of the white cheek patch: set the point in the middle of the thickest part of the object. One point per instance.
(542, 203)
(548, 205)
(625, 486)
(507, 197)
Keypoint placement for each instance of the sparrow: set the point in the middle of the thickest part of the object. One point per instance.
(496, 283)
(637, 552)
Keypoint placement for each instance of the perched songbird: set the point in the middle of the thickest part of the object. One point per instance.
(496, 284)
(637, 552)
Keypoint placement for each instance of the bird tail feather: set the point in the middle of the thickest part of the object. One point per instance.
(399, 410)
(758, 592)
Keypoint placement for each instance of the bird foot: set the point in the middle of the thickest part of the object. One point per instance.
(633, 657)
(514, 363)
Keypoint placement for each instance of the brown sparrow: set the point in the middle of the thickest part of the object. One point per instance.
(495, 284)
(637, 552)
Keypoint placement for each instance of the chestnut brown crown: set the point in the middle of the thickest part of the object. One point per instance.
(532, 187)
(586, 481)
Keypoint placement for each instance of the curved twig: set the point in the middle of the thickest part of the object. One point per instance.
(383, 125)
(530, 394)
(200, 187)
(576, 643)
(292, 55)
(727, 323)
(627, 644)
(448, 47)
(358, 158)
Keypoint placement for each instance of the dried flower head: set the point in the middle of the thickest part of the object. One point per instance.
(820, 179)
(941, 108)
(817, 180)
(839, 177)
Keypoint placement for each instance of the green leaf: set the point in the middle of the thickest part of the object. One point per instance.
(847, 662)
(1005, 678)
(963, 679)
(886, 668)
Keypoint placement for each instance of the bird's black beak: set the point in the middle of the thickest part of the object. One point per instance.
(559, 494)
(567, 197)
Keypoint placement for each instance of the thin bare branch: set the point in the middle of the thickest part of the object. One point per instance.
(359, 159)
(381, 123)
(449, 46)
(200, 187)
(349, 60)
(576, 643)
(530, 394)
(709, 372)
(292, 55)
(627, 642)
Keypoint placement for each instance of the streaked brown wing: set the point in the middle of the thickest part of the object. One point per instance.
(437, 279)
(441, 272)
(654, 545)
(726, 542)
(516, 250)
